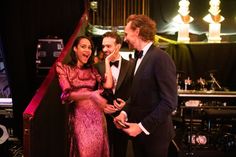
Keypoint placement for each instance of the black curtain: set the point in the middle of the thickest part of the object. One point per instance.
(163, 12)
(202, 59)
(22, 23)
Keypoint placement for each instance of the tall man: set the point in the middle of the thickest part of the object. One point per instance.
(122, 75)
(153, 95)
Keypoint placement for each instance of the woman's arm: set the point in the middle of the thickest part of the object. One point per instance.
(78, 95)
(93, 95)
(69, 94)
(108, 75)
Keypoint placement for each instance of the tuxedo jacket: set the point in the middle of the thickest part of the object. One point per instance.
(153, 95)
(124, 81)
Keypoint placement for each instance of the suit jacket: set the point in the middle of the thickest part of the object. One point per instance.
(154, 93)
(124, 81)
(118, 140)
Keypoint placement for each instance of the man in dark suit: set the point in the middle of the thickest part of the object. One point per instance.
(122, 76)
(153, 96)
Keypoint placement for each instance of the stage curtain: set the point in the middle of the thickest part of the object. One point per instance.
(197, 60)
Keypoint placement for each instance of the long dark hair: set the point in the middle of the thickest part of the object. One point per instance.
(73, 56)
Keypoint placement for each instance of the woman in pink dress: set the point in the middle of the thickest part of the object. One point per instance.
(81, 89)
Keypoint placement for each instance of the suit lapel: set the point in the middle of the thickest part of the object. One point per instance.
(123, 71)
(144, 61)
(139, 72)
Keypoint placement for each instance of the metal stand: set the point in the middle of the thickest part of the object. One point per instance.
(190, 153)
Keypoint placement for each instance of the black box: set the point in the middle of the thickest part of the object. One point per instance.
(48, 50)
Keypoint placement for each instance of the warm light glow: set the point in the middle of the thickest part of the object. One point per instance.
(214, 18)
(214, 7)
(214, 32)
(183, 34)
(183, 19)
(184, 7)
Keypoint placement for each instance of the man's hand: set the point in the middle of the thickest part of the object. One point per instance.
(121, 118)
(119, 104)
(133, 129)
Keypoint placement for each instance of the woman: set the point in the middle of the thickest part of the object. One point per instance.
(81, 88)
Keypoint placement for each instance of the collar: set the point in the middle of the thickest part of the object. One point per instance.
(118, 59)
(145, 49)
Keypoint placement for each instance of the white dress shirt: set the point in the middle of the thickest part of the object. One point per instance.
(145, 49)
(115, 73)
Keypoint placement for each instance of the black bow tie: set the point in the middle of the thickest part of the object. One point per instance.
(116, 63)
(138, 54)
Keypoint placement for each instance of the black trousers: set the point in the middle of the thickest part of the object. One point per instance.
(118, 140)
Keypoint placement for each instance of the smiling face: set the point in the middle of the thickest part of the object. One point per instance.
(109, 45)
(83, 51)
(131, 36)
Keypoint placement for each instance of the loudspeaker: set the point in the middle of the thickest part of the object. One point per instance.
(48, 50)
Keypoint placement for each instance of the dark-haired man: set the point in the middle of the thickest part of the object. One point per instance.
(122, 76)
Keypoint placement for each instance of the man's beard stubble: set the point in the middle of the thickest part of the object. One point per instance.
(131, 47)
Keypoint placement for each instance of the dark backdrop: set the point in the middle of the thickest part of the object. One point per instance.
(163, 12)
(197, 60)
(22, 23)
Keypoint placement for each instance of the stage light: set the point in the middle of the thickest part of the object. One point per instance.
(183, 19)
(214, 19)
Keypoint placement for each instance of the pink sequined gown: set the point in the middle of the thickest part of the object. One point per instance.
(87, 124)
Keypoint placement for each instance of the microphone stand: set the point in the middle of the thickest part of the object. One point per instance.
(214, 81)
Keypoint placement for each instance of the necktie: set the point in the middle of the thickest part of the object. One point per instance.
(138, 54)
(116, 63)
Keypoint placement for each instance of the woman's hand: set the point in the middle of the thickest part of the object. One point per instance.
(97, 98)
(108, 74)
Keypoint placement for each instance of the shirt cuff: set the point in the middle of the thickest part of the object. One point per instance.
(143, 129)
(123, 112)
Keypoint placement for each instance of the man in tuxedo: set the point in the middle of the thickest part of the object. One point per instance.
(153, 97)
(122, 76)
